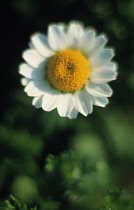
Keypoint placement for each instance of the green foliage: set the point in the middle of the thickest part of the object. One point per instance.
(117, 200)
(25, 188)
(15, 204)
(49, 204)
(20, 142)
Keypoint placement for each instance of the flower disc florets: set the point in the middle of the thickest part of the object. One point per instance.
(68, 70)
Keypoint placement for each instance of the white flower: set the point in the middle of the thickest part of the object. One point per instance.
(68, 69)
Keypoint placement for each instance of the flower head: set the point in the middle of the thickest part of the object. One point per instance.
(68, 69)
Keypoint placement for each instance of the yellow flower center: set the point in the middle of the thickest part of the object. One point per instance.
(68, 70)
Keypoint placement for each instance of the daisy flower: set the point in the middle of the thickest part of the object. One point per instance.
(68, 69)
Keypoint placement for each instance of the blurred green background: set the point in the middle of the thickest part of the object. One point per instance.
(53, 163)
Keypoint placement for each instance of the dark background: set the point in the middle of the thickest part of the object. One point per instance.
(53, 162)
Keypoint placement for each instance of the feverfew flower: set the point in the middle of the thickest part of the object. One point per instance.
(68, 69)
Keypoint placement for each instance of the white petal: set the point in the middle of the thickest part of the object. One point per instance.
(29, 86)
(83, 102)
(73, 114)
(56, 38)
(35, 92)
(75, 30)
(101, 58)
(33, 58)
(61, 26)
(74, 33)
(37, 102)
(65, 105)
(99, 43)
(111, 65)
(24, 81)
(30, 44)
(25, 70)
(98, 89)
(49, 101)
(102, 75)
(100, 101)
(30, 72)
(87, 41)
(37, 88)
(40, 42)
